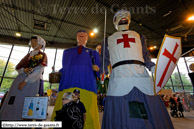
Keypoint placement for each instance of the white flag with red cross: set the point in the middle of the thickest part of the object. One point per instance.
(168, 56)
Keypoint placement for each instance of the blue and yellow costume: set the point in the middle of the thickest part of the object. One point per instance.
(77, 73)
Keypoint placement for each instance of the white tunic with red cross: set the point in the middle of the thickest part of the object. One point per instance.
(122, 46)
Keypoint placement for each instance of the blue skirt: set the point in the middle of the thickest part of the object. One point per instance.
(135, 111)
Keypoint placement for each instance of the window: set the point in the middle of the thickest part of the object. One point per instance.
(4, 54)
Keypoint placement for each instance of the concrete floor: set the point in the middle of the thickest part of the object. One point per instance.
(179, 123)
(184, 123)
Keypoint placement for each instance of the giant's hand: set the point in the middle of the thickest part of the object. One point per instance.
(95, 68)
(28, 70)
(21, 85)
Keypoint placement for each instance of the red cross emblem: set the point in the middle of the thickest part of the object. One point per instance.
(171, 59)
(126, 40)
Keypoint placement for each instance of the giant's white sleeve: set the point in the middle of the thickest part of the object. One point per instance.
(35, 75)
(20, 70)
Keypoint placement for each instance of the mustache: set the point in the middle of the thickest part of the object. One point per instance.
(123, 21)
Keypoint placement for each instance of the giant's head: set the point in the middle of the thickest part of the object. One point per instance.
(37, 42)
(82, 37)
(122, 19)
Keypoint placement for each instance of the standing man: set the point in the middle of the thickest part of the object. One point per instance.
(80, 66)
(80, 104)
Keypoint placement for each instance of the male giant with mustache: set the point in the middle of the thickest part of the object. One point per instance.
(79, 72)
(130, 101)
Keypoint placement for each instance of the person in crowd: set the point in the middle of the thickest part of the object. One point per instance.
(185, 103)
(80, 104)
(70, 115)
(172, 101)
(3, 99)
(103, 102)
(54, 94)
(191, 104)
(180, 108)
(100, 103)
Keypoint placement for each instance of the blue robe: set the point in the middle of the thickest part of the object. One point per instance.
(77, 69)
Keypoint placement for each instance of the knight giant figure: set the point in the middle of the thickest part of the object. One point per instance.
(130, 101)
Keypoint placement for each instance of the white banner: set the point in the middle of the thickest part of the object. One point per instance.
(31, 124)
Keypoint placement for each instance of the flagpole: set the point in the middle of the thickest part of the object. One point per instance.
(103, 55)
(187, 52)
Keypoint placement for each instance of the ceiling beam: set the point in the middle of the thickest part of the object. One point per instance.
(23, 41)
(39, 14)
(40, 34)
(28, 32)
(48, 16)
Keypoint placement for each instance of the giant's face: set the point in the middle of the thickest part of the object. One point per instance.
(34, 43)
(98, 49)
(82, 38)
(122, 17)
